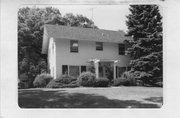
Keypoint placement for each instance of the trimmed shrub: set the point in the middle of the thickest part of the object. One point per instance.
(54, 84)
(64, 81)
(126, 79)
(120, 82)
(42, 80)
(73, 84)
(87, 79)
(129, 77)
(101, 82)
(139, 83)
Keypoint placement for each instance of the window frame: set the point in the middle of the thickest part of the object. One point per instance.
(121, 48)
(101, 46)
(70, 66)
(63, 70)
(120, 70)
(81, 68)
(72, 49)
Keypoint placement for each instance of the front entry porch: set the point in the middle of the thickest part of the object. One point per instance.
(105, 68)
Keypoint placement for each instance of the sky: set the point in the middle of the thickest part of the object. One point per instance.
(109, 17)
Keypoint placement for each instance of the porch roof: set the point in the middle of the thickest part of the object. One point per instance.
(103, 60)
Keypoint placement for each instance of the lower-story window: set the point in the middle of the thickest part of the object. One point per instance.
(128, 68)
(120, 71)
(83, 69)
(64, 69)
(74, 71)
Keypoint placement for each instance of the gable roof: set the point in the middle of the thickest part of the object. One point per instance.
(76, 33)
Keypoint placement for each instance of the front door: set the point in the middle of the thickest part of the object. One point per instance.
(106, 70)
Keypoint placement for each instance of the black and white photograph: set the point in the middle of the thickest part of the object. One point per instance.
(90, 56)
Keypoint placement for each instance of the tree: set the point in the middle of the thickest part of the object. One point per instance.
(79, 21)
(145, 26)
(30, 35)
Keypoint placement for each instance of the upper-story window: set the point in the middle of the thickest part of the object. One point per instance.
(99, 45)
(74, 46)
(121, 49)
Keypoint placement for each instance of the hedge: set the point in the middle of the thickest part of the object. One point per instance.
(101, 82)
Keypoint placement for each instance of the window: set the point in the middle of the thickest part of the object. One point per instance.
(120, 71)
(64, 69)
(99, 45)
(121, 49)
(74, 71)
(73, 46)
(128, 68)
(83, 69)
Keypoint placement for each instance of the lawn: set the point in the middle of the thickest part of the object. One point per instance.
(114, 97)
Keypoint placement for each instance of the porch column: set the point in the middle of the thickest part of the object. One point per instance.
(114, 70)
(96, 65)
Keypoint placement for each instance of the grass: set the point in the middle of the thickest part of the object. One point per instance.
(114, 97)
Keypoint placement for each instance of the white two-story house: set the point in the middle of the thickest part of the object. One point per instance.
(70, 50)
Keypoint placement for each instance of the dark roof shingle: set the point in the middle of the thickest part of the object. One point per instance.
(76, 33)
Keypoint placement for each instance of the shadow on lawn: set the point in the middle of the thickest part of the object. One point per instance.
(63, 99)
